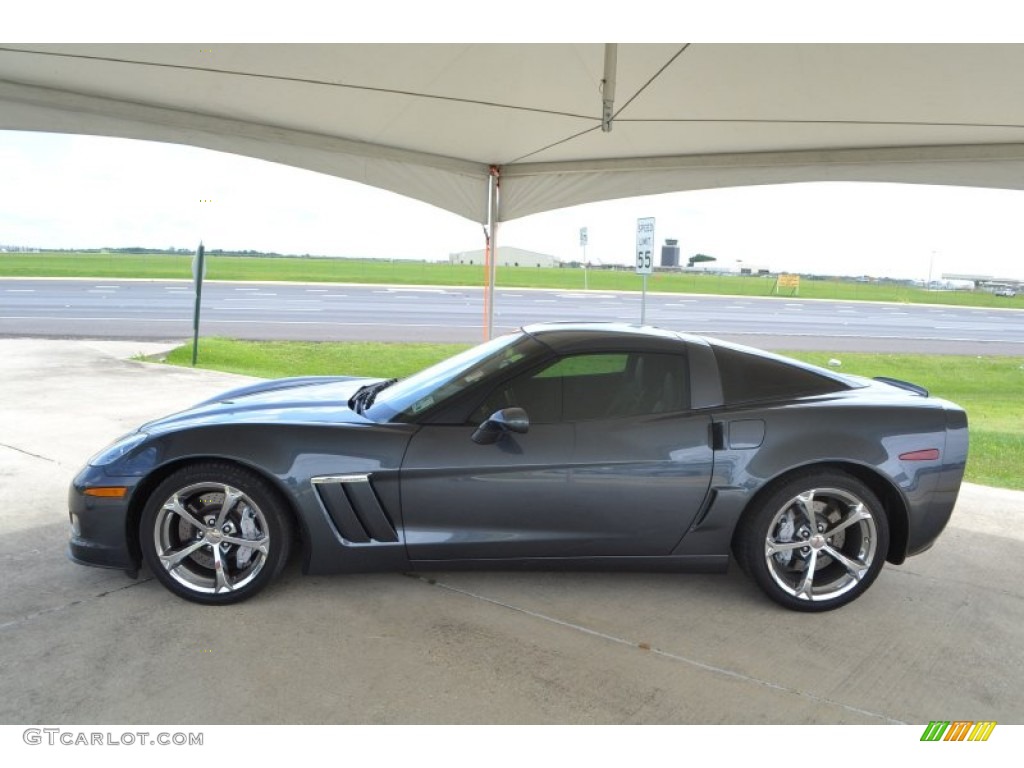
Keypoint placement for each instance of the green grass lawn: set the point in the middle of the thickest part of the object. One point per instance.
(991, 389)
(160, 266)
(277, 359)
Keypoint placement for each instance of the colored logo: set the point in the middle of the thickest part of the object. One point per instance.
(958, 730)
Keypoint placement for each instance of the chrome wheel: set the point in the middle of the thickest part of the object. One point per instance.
(211, 538)
(814, 542)
(821, 544)
(215, 533)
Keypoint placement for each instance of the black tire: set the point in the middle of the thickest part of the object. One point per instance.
(193, 525)
(845, 536)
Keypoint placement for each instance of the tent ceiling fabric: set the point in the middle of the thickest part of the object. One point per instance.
(429, 121)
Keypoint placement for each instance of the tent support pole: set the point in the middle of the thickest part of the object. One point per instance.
(492, 248)
(611, 59)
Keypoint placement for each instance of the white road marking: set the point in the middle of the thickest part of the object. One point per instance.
(413, 290)
(251, 309)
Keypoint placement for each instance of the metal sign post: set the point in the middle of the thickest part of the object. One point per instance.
(644, 258)
(198, 273)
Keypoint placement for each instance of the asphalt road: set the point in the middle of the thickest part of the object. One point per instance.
(940, 637)
(163, 310)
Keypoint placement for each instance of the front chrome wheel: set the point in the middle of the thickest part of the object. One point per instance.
(211, 537)
(816, 542)
(214, 533)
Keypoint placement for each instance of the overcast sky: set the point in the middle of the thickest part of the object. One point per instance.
(62, 191)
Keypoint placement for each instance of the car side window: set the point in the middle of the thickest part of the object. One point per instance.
(595, 386)
(750, 378)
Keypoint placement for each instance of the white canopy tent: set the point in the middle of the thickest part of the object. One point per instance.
(495, 132)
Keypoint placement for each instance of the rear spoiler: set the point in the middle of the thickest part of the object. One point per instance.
(917, 390)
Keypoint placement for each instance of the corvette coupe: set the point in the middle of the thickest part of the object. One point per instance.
(561, 446)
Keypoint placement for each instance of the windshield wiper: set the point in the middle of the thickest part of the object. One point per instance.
(371, 395)
(365, 395)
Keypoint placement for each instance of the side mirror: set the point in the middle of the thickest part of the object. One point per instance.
(500, 422)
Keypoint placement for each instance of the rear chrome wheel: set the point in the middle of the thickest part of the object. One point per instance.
(215, 533)
(815, 543)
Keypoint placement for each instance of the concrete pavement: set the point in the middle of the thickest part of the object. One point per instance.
(941, 637)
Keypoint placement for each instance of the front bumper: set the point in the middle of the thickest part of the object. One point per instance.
(100, 526)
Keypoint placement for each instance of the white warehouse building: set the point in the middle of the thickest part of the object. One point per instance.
(507, 257)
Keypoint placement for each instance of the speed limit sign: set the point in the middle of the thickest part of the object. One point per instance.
(645, 246)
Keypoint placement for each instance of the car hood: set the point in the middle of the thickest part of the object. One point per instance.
(306, 400)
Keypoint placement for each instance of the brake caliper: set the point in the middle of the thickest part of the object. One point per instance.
(249, 531)
(784, 533)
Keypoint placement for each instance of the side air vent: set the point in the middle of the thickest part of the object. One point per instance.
(355, 508)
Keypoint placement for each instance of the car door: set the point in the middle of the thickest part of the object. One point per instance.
(642, 460)
(614, 464)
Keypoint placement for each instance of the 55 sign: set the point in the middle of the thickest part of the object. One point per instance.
(645, 246)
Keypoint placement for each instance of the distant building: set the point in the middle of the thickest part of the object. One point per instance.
(507, 257)
(670, 253)
(983, 282)
(754, 269)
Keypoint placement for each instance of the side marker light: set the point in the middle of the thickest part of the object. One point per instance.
(929, 454)
(107, 492)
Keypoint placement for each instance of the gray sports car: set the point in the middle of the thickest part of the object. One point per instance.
(585, 446)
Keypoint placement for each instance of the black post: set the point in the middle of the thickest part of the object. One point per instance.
(198, 270)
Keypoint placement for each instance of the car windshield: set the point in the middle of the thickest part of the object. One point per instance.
(415, 394)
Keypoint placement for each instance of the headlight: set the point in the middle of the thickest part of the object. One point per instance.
(117, 449)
